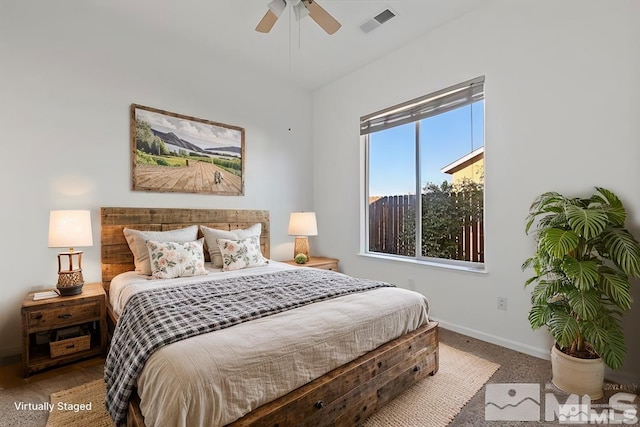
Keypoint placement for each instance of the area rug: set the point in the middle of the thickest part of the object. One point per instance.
(65, 414)
(433, 402)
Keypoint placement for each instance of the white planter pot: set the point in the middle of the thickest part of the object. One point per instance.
(577, 376)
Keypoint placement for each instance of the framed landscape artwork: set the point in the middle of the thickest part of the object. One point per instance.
(176, 153)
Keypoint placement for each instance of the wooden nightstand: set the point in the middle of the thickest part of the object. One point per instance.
(44, 320)
(318, 262)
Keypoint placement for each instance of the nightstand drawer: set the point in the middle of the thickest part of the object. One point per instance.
(62, 316)
(320, 262)
(328, 266)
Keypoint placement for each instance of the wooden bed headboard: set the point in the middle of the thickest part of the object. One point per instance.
(116, 255)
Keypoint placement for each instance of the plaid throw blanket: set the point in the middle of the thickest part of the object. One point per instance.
(155, 318)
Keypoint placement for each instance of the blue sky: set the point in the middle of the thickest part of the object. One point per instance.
(444, 139)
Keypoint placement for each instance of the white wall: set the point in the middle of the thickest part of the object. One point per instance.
(68, 75)
(561, 97)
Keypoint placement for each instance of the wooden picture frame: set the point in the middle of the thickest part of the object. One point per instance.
(172, 152)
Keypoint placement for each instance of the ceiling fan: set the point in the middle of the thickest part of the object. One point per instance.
(301, 9)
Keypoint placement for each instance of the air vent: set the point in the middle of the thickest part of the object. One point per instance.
(377, 20)
(384, 16)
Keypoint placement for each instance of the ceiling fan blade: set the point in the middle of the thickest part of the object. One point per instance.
(322, 17)
(267, 22)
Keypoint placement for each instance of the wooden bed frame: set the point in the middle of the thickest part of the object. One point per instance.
(345, 396)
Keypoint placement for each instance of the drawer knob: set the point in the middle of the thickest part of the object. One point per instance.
(319, 404)
(38, 316)
(64, 316)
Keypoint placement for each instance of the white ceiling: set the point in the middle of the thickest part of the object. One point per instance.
(300, 52)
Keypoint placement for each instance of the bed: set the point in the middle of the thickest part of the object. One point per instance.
(326, 386)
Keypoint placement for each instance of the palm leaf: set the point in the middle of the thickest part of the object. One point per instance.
(550, 202)
(614, 350)
(595, 334)
(624, 250)
(545, 290)
(564, 328)
(617, 288)
(529, 263)
(585, 304)
(558, 220)
(559, 242)
(539, 315)
(588, 223)
(583, 274)
(616, 212)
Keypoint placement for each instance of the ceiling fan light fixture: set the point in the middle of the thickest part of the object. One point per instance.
(277, 7)
(301, 11)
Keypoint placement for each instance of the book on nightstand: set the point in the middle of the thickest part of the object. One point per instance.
(44, 295)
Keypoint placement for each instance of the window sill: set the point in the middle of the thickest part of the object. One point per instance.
(449, 266)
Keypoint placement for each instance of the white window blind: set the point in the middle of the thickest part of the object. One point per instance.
(425, 106)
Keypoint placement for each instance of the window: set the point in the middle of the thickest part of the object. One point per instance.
(433, 147)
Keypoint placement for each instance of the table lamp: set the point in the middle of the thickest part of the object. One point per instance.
(69, 229)
(301, 225)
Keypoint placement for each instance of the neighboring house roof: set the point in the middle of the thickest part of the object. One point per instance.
(374, 198)
(464, 162)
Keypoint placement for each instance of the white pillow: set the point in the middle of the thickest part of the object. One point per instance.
(211, 236)
(176, 259)
(241, 253)
(137, 241)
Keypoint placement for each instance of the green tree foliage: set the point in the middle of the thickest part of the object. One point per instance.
(147, 142)
(144, 159)
(446, 208)
(234, 166)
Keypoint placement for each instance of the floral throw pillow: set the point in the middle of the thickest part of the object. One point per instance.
(176, 259)
(241, 253)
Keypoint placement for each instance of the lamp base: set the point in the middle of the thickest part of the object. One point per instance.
(70, 282)
(67, 291)
(301, 246)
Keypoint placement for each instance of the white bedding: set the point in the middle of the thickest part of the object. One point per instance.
(124, 285)
(215, 378)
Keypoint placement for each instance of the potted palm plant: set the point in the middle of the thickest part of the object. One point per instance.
(582, 265)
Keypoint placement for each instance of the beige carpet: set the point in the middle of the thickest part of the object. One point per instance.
(432, 402)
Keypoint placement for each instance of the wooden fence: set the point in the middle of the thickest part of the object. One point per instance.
(387, 225)
(392, 230)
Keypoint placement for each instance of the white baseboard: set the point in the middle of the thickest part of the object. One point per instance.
(493, 339)
(620, 377)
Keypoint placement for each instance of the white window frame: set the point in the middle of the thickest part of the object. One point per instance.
(439, 102)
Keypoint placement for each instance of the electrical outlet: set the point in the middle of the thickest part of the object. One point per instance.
(502, 303)
(412, 284)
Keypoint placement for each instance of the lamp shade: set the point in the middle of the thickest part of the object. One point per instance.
(303, 224)
(69, 228)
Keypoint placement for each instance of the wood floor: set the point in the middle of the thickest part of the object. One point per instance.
(11, 375)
